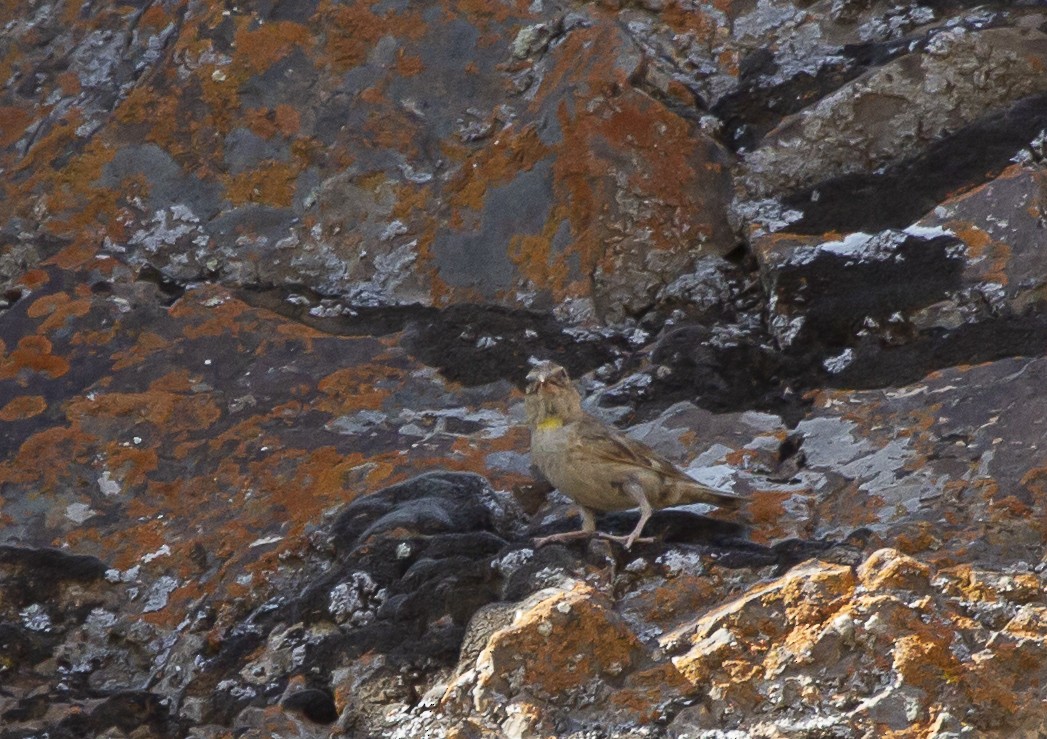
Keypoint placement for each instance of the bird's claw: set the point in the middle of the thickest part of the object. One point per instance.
(627, 541)
(541, 541)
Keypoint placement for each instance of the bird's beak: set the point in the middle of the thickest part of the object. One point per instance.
(535, 380)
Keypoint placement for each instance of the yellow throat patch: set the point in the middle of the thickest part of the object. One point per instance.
(550, 424)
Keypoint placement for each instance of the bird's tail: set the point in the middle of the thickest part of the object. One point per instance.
(696, 492)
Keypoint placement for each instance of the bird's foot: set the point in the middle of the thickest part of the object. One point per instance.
(541, 541)
(627, 541)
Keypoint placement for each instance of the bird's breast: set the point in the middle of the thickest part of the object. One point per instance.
(549, 446)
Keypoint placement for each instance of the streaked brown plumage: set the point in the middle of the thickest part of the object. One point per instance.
(598, 467)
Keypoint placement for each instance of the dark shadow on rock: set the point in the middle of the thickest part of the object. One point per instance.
(296, 302)
(747, 373)
(143, 713)
(170, 289)
(52, 564)
(758, 104)
(30, 575)
(22, 648)
(469, 344)
(316, 705)
(761, 100)
(876, 365)
(762, 97)
(675, 526)
(847, 551)
(902, 193)
(725, 541)
(668, 526)
(836, 294)
(476, 345)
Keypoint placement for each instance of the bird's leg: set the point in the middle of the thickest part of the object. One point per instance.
(588, 527)
(588, 520)
(635, 491)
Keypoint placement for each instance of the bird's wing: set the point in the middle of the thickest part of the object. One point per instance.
(609, 445)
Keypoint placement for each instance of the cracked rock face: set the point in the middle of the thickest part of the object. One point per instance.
(270, 281)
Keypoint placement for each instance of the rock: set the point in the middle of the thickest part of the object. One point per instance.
(965, 296)
(887, 569)
(982, 72)
(271, 278)
(309, 155)
(593, 648)
(430, 504)
(591, 645)
(815, 294)
(741, 651)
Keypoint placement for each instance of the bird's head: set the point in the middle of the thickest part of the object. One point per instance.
(547, 376)
(551, 398)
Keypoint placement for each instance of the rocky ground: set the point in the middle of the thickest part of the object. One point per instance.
(270, 280)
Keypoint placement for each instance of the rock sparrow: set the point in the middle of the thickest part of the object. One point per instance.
(598, 467)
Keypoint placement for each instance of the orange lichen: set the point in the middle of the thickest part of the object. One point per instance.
(221, 99)
(299, 484)
(78, 207)
(13, 122)
(767, 507)
(147, 535)
(171, 411)
(812, 599)
(95, 338)
(975, 239)
(282, 120)
(176, 381)
(44, 457)
(690, 20)
(924, 659)
(33, 353)
(130, 464)
(479, 11)
(304, 335)
(407, 65)
(59, 307)
(888, 569)
(155, 17)
(590, 639)
(163, 112)
(261, 47)
(69, 83)
(34, 278)
(147, 344)
(392, 128)
(921, 536)
(1035, 481)
(356, 388)
(511, 153)
(80, 251)
(287, 119)
(1011, 506)
(271, 183)
(646, 691)
(22, 407)
(729, 61)
(216, 320)
(352, 30)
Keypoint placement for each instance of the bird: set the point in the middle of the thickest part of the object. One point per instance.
(598, 467)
